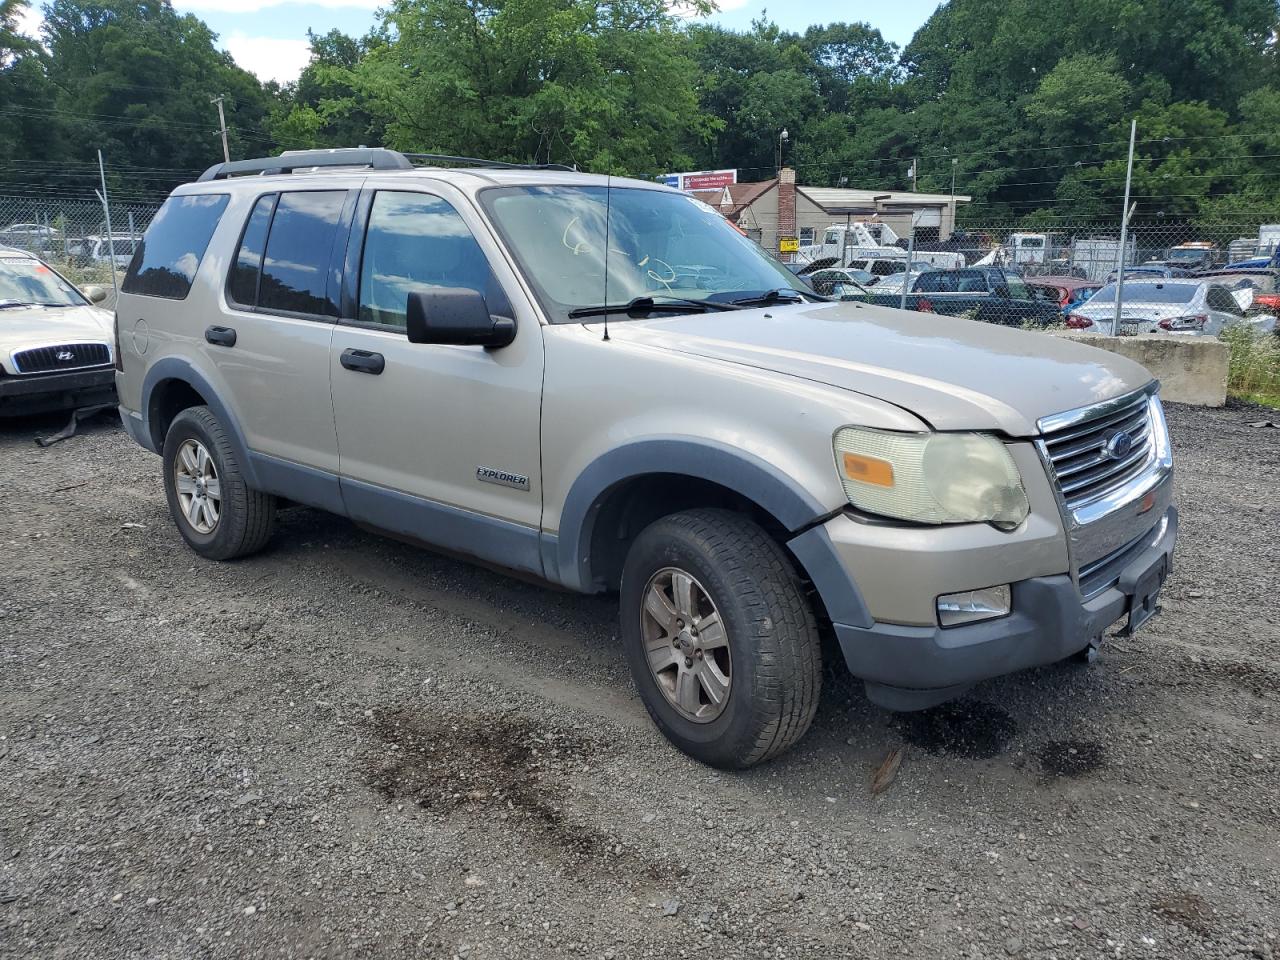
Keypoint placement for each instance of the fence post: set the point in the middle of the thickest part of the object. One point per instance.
(106, 210)
(1124, 232)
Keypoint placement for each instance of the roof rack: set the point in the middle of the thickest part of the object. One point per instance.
(375, 158)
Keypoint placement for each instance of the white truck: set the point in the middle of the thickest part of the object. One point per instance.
(871, 239)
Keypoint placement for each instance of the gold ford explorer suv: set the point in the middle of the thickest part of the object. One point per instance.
(599, 381)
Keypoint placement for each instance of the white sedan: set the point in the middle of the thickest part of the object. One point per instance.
(55, 345)
(1187, 307)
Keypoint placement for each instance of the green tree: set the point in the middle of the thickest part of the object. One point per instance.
(608, 86)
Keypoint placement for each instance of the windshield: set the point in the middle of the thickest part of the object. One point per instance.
(1188, 253)
(1148, 293)
(1017, 287)
(660, 244)
(23, 280)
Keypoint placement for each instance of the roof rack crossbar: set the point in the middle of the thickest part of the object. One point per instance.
(375, 158)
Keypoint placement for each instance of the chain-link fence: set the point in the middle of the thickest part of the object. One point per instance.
(1185, 278)
(72, 235)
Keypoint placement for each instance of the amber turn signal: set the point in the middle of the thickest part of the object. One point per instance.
(866, 469)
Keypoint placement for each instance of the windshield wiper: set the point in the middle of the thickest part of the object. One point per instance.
(649, 305)
(6, 304)
(776, 295)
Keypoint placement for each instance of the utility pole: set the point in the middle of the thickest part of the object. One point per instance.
(1124, 233)
(222, 123)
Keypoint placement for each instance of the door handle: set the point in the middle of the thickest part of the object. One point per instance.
(363, 361)
(222, 336)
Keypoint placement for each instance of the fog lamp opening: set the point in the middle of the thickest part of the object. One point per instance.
(971, 606)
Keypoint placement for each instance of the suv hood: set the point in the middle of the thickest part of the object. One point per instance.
(954, 374)
(23, 327)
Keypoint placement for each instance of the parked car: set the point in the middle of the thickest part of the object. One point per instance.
(32, 237)
(989, 294)
(100, 249)
(1188, 307)
(1191, 256)
(1262, 283)
(509, 371)
(825, 281)
(1148, 270)
(887, 266)
(1065, 291)
(55, 346)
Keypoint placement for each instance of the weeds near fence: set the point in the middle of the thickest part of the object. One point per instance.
(1254, 372)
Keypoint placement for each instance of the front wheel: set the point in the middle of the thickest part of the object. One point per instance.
(720, 638)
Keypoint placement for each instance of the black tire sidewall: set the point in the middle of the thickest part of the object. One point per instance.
(190, 425)
(723, 741)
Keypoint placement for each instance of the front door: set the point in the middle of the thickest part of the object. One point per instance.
(437, 442)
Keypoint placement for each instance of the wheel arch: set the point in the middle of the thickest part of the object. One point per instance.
(172, 385)
(624, 490)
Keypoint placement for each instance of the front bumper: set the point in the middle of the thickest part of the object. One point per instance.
(20, 396)
(913, 667)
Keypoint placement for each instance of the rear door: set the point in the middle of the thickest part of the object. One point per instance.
(439, 442)
(271, 345)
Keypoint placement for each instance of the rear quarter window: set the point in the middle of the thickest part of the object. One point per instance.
(166, 261)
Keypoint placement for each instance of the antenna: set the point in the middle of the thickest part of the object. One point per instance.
(608, 203)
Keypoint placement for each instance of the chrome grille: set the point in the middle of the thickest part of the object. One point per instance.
(1086, 464)
(69, 356)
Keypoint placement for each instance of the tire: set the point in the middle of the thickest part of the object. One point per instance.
(738, 572)
(244, 517)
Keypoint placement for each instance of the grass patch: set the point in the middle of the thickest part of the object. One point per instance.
(1254, 372)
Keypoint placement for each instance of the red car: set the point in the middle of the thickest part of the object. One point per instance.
(1063, 290)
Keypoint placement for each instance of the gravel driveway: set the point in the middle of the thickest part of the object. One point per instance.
(348, 747)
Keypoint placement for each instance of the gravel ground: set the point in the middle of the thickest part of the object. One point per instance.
(347, 747)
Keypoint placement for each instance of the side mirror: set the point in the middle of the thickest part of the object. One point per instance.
(455, 315)
(95, 293)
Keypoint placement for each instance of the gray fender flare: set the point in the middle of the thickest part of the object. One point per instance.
(176, 368)
(567, 560)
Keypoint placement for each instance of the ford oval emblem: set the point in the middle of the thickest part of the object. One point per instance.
(1118, 446)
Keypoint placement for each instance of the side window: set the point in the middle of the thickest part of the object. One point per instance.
(295, 268)
(415, 240)
(928, 283)
(165, 263)
(242, 285)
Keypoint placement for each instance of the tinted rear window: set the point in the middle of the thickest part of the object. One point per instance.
(242, 286)
(295, 271)
(166, 260)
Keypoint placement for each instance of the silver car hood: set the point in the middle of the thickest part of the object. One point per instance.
(23, 327)
(953, 374)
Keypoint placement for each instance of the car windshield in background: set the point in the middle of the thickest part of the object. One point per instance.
(661, 245)
(24, 281)
(1148, 293)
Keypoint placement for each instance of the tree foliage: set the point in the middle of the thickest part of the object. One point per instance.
(1026, 105)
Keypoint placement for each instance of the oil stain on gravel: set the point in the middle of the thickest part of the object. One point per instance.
(1188, 909)
(1071, 758)
(961, 728)
(497, 769)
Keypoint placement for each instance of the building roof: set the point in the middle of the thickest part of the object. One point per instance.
(842, 199)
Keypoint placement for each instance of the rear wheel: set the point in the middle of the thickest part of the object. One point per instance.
(720, 638)
(216, 512)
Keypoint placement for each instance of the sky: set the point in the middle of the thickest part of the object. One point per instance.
(269, 37)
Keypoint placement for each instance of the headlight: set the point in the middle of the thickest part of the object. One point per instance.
(931, 477)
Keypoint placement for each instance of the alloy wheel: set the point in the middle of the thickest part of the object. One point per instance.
(686, 644)
(195, 478)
